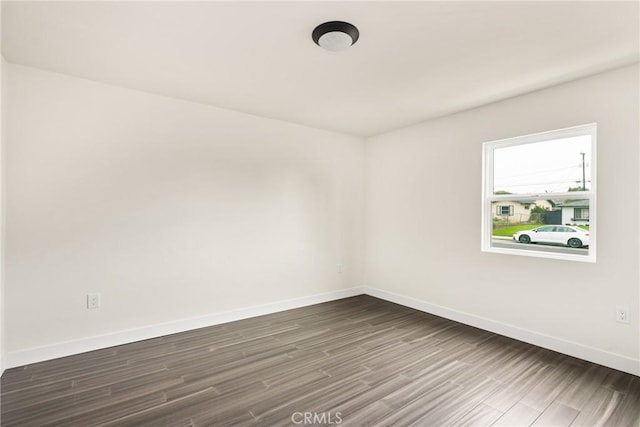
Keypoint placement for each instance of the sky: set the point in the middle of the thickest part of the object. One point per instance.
(543, 167)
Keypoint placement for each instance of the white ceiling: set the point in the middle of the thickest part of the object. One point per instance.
(414, 60)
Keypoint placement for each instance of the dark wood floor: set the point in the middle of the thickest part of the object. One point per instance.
(358, 361)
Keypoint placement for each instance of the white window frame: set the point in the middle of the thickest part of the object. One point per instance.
(488, 149)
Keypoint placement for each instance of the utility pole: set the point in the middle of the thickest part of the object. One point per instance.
(584, 185)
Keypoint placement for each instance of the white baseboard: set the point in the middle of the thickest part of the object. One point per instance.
(601, 357)
(53, 351)
(39, 354)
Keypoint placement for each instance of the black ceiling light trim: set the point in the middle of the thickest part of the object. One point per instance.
(335, 27)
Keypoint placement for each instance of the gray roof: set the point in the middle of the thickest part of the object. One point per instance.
(575, 204)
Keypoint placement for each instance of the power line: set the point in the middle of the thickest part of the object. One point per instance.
(573, 181)
(540, 172)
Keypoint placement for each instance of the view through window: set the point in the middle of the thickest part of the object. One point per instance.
(539, 194)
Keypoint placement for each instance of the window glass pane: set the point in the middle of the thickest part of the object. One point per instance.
(549, 225)
(553, 166)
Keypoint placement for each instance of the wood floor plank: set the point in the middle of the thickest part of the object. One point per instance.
(104, 410)
(373, 394)
(512, 392)
(75, 369)
(54, 408)
(508, 368)
(370, 415)
(214, 419)
(373, 362)
(166, 413)
(546, 391)
(579, 393)
(600, 408)
(228, 406)
(628, 413)
(480, 415)
(557, 415)
(619, 381)
(317, 401)
(437, 366)
(19, 397)
(414, 408)
(462, 402)
(397, 365)
(518, 415)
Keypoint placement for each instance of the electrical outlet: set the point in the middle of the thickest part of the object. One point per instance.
(622, 314)
(93, 300)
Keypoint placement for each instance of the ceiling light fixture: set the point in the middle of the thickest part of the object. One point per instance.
(335, 35)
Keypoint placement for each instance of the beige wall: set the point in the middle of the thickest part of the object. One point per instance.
(417, 249)
(169, 209)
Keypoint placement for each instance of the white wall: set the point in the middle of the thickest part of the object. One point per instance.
(173, 210)
(3, 66)
(423, 222)
(169, 209)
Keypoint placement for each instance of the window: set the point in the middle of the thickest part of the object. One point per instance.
(539, 194)
(581, 213)
(505, 210)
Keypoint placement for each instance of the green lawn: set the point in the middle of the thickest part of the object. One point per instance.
(510, 231)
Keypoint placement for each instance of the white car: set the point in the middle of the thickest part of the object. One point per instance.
(575, 237)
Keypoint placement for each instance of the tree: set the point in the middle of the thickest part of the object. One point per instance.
(574, 189)
(538, 208)
(538, 214)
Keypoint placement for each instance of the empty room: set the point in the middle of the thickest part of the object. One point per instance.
(378, 213)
